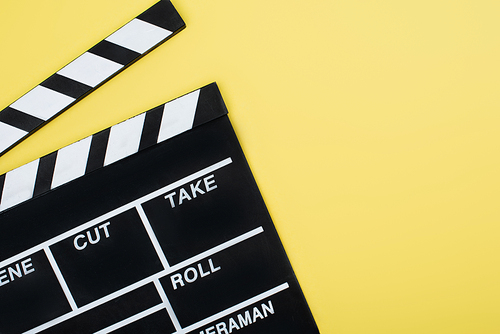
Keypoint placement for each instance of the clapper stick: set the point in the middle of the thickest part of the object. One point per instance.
(87, 72)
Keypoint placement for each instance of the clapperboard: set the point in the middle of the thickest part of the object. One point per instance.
(154, 225)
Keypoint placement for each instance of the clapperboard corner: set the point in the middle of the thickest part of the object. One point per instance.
(111, 145)
(88, 72)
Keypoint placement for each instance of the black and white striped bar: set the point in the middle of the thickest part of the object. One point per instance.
(87, 72)
(109, 146)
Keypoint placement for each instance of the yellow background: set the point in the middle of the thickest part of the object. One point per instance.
(372, 128)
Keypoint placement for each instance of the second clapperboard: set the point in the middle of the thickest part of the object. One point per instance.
(154, 225)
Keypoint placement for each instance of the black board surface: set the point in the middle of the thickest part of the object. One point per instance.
(171, 238)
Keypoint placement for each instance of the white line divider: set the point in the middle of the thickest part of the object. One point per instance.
(148, 280)
(117, 211)
(168, 307)
(216, 249)
(235, 308)
(152, 236)
(60, 278)
(131, 319)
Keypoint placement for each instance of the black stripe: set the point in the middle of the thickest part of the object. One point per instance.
(97, 150)
(151, 127)
(210, 105)
(163, 14)
(45, 173)
(2, 182)
(19, 119)
(114, 52)
(66, 86)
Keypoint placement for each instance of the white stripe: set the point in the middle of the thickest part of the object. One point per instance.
(117, 211)
(145, 281)
(60, 278)
(42, 102)
(9, 135)
(237, 307)
(71, 162)
(131, 319)
(138, 35)
(90, 69)
(124, 139)
(19, 185)
(152, 236)
(178, 115)
(168, 306)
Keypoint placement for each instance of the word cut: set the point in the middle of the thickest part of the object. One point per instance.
(191, 274)
(192, 192)
(82, 245)
(15, 270)
(241, 320)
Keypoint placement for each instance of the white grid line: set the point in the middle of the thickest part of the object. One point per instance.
(60, 278)
(152, 236)
(168, 307)
(131, 319)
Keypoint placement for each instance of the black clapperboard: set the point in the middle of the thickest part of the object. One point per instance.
(154, 225)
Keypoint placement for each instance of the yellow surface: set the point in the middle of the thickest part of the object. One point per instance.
(372, 128)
